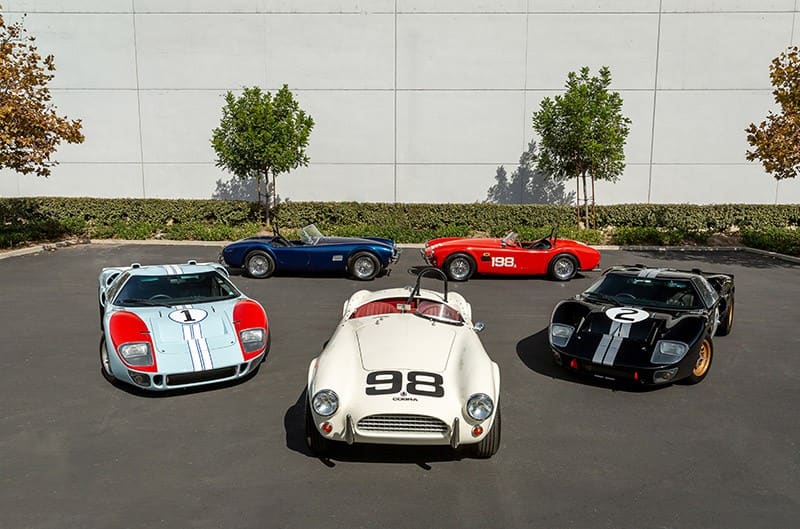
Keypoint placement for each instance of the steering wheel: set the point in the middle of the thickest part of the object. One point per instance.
(159, 296)
(625, 295)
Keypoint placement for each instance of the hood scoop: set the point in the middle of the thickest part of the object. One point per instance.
(405, 342)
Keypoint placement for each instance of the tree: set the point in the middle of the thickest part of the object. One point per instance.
(776, 140)
(261, 134)
(30, 128)
(583, 133)
(527, 184)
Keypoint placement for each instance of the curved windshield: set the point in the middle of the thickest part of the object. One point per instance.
(310, 234)
(652, 292)
(434, 310)
(143, 290)
(511, 239)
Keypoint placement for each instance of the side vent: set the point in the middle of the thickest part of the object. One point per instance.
(191, 262)
(136, 265)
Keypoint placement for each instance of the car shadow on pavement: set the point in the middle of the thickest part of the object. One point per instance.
(535, 353)
(294, 424)
(414, 270)
(717, 257)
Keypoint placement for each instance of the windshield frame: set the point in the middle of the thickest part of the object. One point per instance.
(511, 239)
(310, 234)
(171, 302)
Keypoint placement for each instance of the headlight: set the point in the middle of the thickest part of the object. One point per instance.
(325, 402)
(560, 334)
(480, 406)
(136, 354)
(252, 339)
(668, 352)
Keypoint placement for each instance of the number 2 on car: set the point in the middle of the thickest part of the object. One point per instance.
(503, 262)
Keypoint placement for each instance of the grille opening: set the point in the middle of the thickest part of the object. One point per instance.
(402, 423)
(200, 376)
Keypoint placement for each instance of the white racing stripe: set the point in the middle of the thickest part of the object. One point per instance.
(198, 346)
(610, 343)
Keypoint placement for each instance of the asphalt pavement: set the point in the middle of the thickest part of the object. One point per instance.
(78, 452)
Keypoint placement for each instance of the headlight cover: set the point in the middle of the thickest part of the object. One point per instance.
(325, 402)
(669, 352)
(480, 406)
(252, 339)
(136, 354)
(560, 334)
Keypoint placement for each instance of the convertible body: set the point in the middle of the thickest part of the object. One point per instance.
(175, 326)
(645, 325)
(460, 258)
(262, 256)
(405, 366)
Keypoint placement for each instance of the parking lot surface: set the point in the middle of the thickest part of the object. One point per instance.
(78, 452)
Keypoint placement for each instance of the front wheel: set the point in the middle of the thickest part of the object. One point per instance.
(318, 445)
(259, 265)
(490, 444)
(105, 363)
(364, 266)
(563, 267)
(703, 364)
(459, 267)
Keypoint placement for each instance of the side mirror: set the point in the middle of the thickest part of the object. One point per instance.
(479, 326)
(103, 299)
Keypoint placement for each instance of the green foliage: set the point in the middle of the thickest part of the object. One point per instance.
(786, 241)
(261, 134)
(648, 236)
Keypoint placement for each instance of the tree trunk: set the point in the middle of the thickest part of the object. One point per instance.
(274, 194)
(585, 202)
(267, 218)
(578, 199)
(594, 211)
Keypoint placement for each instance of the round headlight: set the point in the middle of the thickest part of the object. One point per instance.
(325, 402)
(480, 406)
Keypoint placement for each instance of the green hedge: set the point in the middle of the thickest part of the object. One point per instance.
(45, 218)
(774, 240)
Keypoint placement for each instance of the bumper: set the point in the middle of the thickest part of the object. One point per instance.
(166, 381)
(656, 375)
(427, 259)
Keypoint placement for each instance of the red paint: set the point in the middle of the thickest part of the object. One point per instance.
(248, 314)
(573, 364)
(127, 327)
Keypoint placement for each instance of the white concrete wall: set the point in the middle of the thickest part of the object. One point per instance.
(414, 100)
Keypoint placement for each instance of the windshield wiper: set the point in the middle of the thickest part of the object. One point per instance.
(145, 302)
(603, 297)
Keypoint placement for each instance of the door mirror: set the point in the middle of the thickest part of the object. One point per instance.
(479, 326)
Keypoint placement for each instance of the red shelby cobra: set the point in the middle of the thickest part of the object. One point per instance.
(560, 259)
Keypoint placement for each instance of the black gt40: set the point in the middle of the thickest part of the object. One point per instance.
(647, 325)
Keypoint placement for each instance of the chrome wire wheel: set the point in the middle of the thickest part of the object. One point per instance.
(105, 363)
(563, 268)
(364, 267)
(703, 360)
(459, 268)
(258, 265)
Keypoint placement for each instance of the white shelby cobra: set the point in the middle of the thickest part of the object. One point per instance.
(405, 366)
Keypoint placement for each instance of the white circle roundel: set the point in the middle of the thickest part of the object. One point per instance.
(188, 315)
(626, 315)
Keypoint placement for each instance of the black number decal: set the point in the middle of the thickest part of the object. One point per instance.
(188, 316)
(626, 312)
(394, 379)
(419, 383)
(422, 383)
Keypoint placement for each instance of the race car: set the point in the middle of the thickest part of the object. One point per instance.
(560, 259)
(262, 256)
(176, 326)
(645, 325)
(405, 366)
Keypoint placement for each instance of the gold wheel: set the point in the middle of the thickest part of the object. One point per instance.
(703, 360)
(730, 316)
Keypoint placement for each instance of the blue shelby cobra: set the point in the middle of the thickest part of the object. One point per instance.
(260, 257)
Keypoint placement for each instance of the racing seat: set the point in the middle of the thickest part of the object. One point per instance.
(376, 308)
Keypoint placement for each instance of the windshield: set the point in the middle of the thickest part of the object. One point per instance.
(652, 292)
(432, 310)
(310, 234)
(142, 290)
(511, 239)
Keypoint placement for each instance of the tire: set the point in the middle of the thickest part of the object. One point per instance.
(363, 266)
(459, 267)
(259, 265)
(703, 364)
(105, 364)
(562, 267)
(491, 443)
(318, 445)
(726, 324)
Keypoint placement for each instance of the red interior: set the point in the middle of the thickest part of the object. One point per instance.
(389, 306)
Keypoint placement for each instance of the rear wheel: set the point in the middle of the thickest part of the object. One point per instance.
(726, 324)
(491, 443)
(563, 267)
(703, 364)
(459, 267)
(259, 265)
(316, 443)
(364, 266)
(105, 363)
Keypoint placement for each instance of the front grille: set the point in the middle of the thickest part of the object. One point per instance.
(402, 423)
(180, 379)
(606, 371)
